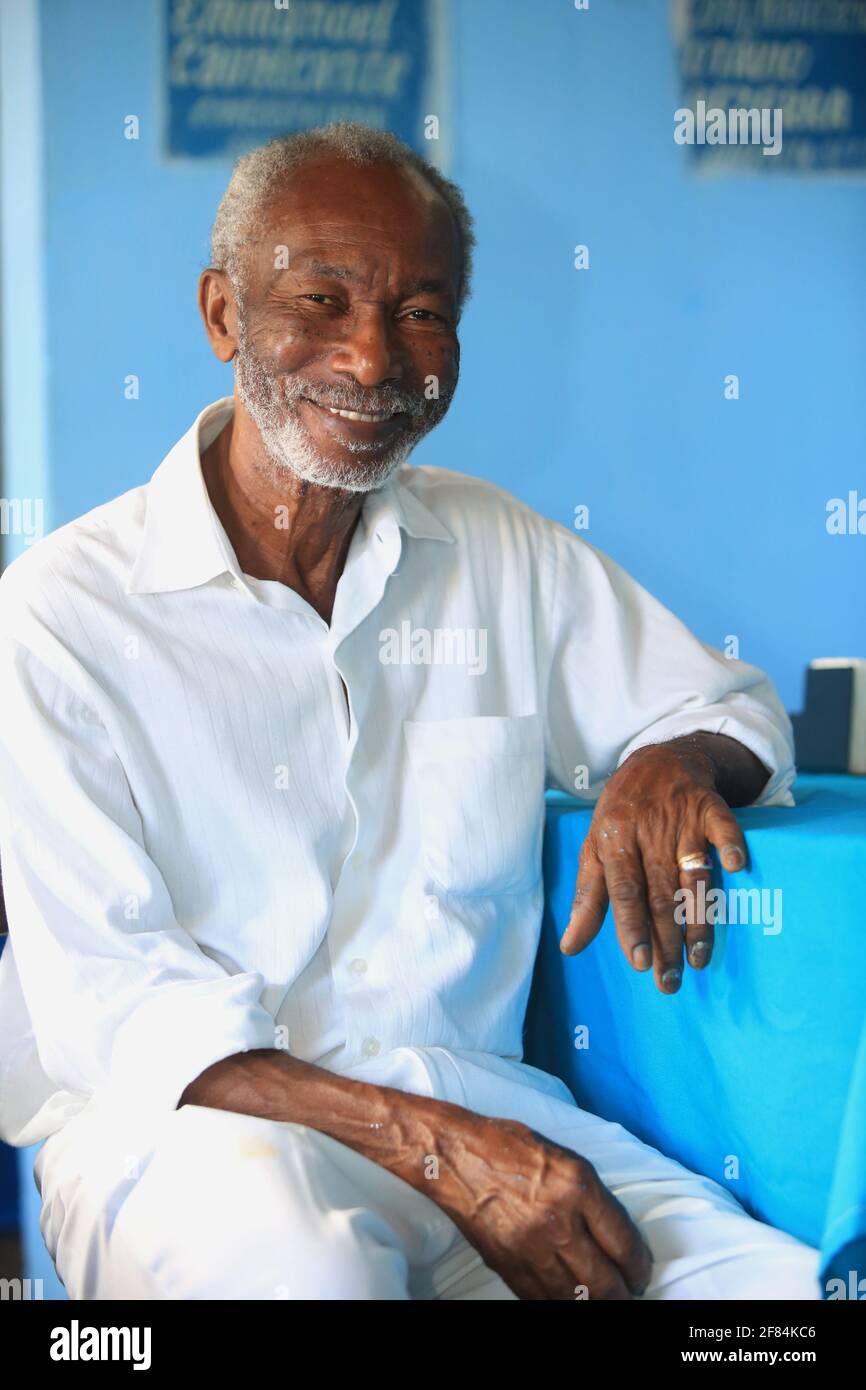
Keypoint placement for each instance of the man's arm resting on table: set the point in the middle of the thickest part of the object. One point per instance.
(537, 1213)
(647, 846)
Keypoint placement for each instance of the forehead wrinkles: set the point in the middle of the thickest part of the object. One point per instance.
(407, 211)
(306, 234)
(378, 197)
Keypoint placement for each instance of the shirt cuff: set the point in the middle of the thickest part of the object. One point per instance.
(175, 1035)
(764, 740)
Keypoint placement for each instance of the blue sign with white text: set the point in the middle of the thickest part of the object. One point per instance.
(773, 84)
(239, 72)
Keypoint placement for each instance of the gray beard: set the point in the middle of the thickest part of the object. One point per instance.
(272, 403)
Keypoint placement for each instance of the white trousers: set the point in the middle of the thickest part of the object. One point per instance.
(223, 1206)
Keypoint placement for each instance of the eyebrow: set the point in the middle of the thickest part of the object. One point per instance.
(423, 285)
(332, 272)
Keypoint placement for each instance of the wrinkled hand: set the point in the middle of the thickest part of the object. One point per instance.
(659, 808)
(540, 1216)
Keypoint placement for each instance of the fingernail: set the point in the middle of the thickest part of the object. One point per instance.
(672, 976)
(642, 956)
(699, 952)
(733, 857)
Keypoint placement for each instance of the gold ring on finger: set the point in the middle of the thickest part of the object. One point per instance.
(694, 863)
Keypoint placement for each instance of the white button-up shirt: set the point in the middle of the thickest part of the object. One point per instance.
(207, 847)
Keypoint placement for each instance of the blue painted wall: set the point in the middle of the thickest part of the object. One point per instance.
(602, 387)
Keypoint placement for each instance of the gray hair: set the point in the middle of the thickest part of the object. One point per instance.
(257, 175)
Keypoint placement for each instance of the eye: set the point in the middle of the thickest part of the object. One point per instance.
(428, 312)
(319, 298)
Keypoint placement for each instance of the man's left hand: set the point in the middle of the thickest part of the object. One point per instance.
(648, 837)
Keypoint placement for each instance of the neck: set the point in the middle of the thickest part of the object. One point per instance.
(295, 532)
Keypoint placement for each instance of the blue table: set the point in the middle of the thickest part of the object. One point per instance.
(755, 1072)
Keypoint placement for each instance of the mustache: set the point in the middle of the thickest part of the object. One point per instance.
(385, 400)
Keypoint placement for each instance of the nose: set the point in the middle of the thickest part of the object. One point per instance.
(367, 350)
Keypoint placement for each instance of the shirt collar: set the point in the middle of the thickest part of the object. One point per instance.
(184, 543)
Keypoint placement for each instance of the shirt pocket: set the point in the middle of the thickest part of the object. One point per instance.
(479, 785)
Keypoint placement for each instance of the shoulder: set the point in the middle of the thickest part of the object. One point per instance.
(451, 495)
(473, 509)
(82, 564)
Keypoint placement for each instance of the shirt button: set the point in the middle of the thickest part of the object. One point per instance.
(358, 966)
(370, 1047)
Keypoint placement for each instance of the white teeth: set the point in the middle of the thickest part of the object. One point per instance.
(356, 415)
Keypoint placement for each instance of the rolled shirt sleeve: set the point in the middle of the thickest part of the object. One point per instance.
(123, 1002)
(626, 672)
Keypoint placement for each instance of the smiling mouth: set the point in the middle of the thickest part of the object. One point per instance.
(370, 424)
(360, 415)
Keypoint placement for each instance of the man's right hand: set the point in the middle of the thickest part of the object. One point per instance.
(538, 1214)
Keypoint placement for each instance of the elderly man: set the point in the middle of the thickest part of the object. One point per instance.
(277, 728)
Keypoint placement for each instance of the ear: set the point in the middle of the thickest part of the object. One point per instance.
(218, 308)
